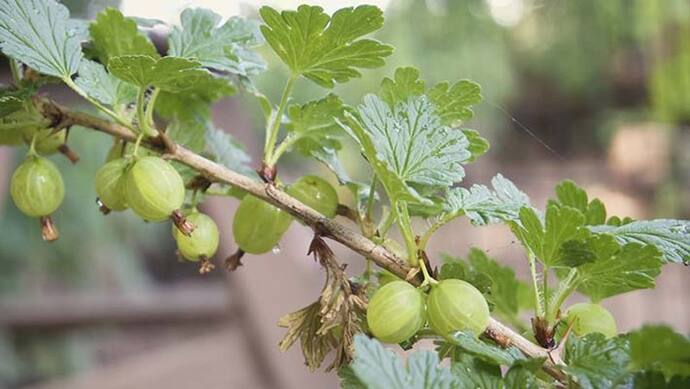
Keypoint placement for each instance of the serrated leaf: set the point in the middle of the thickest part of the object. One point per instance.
(229, 152)
(379, 368)
(522, 374)
(348, 379)
(313, 130)
(412, 142)
(40, 34)
(9, 104)
(405, 84)
(596, 362)
(657, 347)
(454, 101)
(571, 195)
(189, 133)
(472, 372)
(223, 47)
(168, 73)
(544, 240)
(115, 35)
(478, 144)
(633, 267)
(102, 86)
(671, 236)
(485, 206)
(325, 49)
(489, 353)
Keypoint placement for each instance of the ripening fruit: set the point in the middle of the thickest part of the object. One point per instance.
(111, 179)
(456, 305)
(36, 187)
(396, 312)
(47, 142)
(590, 317)
(258, 225)
(203, 242)
(154, 189)
(317, 193)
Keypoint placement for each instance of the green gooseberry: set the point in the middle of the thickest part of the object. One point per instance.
(456, 305)
(154, 189)
(317, 193)
(258, 226)
(396, 312)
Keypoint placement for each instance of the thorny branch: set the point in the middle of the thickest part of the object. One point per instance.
(325, 227)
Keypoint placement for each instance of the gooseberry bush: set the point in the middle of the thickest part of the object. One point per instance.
(167, 158)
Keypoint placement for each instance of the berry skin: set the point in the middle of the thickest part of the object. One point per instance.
(589, 317)
(111, 181)
(154, 189)
(317, 193)
(47, 142)
(203, 242)
(456, 305)
(36, 187)
(396, 312)
(258, 226)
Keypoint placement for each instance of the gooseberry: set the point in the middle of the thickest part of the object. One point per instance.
(317, 193)
(154, 189)
(396, 312)
(110, 185)
(589, 317)
(258, 226)
(202, 244)
(456, 305)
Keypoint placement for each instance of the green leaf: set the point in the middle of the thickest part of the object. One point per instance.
(194, 102)
(189, 133)
(485, 206)
(469, 343)
(656, 380)
(545, 240)
(671, 236)
(102, 86)
(223, 47)
(478, 145)
(456, 268)
(40, 34)
(657, 347)
(522, 374)
(471, 373)
(395, 187)
(413, 143)
(168, 73)
(325, 49)
(633, 266)
(571, 195)
(115, 35)
(379, 368)
(596, 362)
(454, 101)
(229, 152)
(405, 84)
(348, 379)
(10, 101)
(313, 129)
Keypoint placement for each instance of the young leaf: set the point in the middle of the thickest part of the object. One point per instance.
(223, 47)
(671, 236)
(405, 84)
(633, 266)
(596, 362)
(9, 102)
(454, 101)
(478, 144)
(545, 240)
(313, 129)
(484, 206)
(114, 35)
(228, 152)
(102, 86)
(571, 195)
(379, 368)
(40, 34)
(660, 348)
(325, 49)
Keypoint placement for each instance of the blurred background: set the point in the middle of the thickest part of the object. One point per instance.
(596, 91)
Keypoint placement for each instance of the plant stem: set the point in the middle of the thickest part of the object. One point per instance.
(273, 129)
(119, 119)
(565, 288)
(538, 307)
(545, 288)
(370, 199)
(403, 217)
(281, 149)
(150, 106)
(443, 220)
(142, 117)
(386, 224)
